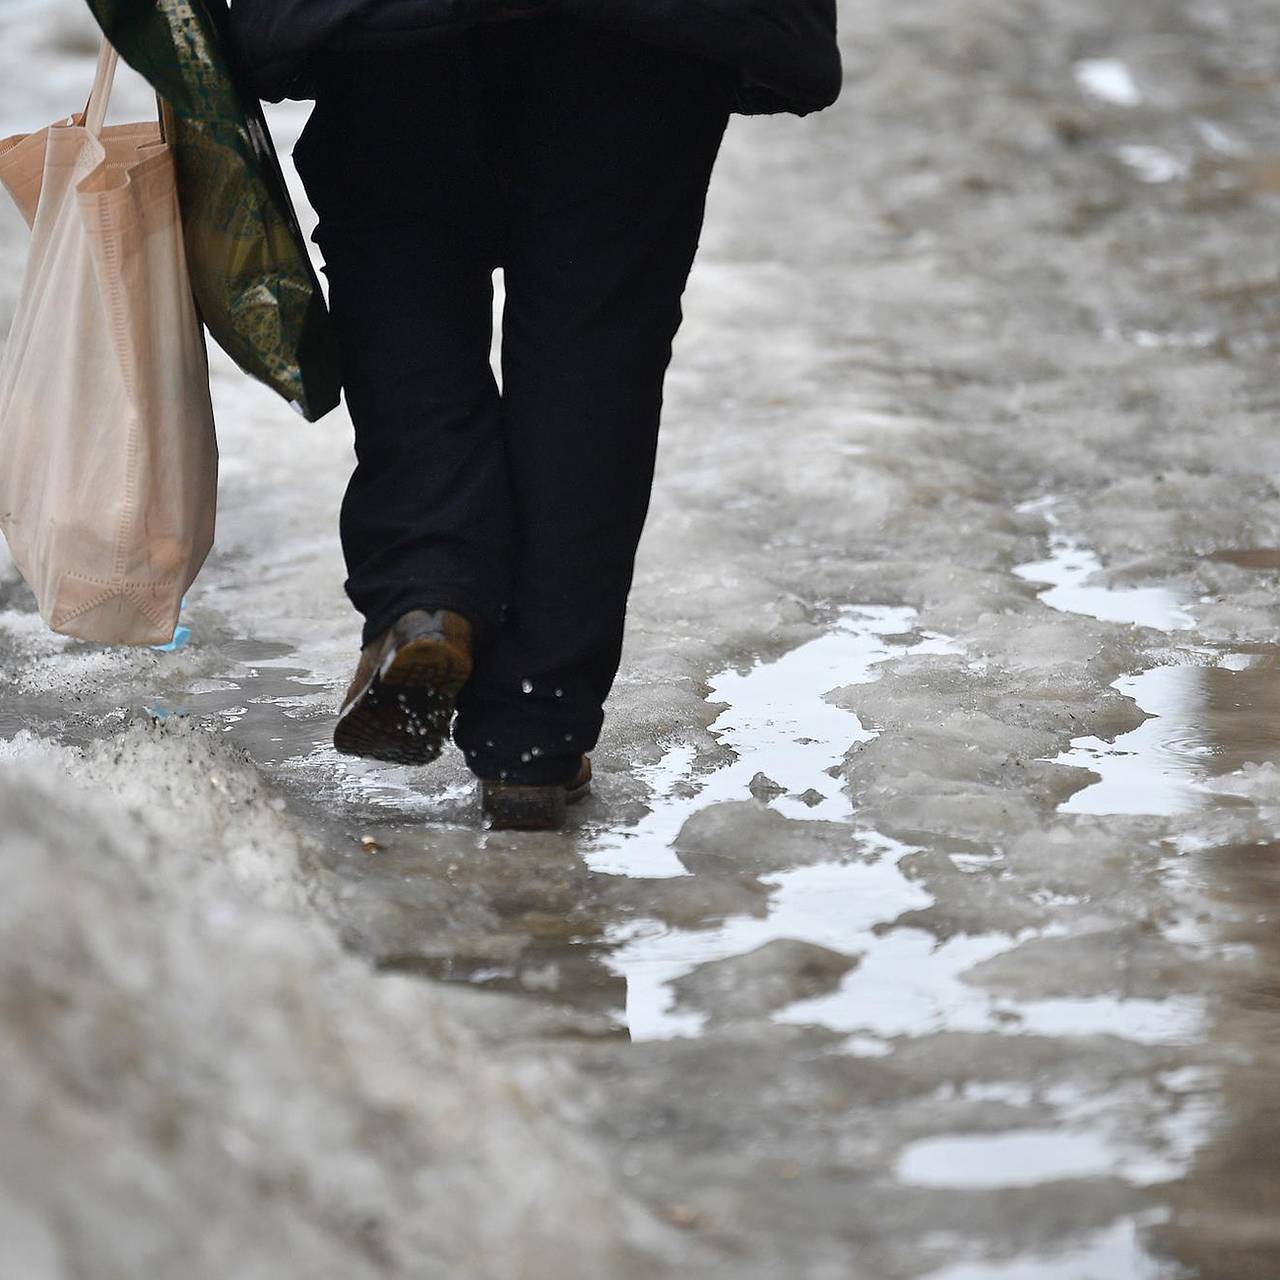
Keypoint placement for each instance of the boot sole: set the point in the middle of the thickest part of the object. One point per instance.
(511, 806)
(403, 714)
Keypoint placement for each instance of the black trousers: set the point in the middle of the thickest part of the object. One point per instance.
(578, 161)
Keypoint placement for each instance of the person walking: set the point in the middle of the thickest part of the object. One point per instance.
(490, 531)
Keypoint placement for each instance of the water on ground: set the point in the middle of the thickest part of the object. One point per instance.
(923, 922)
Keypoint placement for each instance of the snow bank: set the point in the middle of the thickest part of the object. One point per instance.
(199, 1081)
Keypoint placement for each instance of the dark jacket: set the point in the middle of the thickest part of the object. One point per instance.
(784, 50)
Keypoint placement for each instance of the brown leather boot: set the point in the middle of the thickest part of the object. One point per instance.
(400, 704)
(513, 806)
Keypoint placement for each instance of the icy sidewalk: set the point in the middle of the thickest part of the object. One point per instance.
(908, 1004)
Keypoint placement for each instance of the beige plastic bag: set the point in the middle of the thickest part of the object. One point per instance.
(108, 462)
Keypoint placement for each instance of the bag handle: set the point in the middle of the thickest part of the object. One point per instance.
(95, 110)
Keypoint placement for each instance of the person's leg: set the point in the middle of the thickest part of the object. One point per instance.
(607, 148)
(408, 218)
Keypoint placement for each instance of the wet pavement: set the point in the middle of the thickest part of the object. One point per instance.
(923, 922)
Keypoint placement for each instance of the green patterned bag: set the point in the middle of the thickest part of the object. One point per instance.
(252, 278)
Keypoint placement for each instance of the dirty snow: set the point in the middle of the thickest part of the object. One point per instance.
(924, 919)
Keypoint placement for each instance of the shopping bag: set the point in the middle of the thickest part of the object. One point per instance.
(108, 462)
(254, 284)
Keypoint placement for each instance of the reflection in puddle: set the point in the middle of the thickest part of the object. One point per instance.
(1071, 565)
(910, 984)
(1026, 1157)
(906, 982)
(267, 703)
(778, 723)
(1158, 768)
(835, 905)
(1214, 718)
(1020, 1158)
(1250, 557)
(1118, 1253)
(1154, 768)
(1204, 721)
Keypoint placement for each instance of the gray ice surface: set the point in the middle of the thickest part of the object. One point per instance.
(924, 922)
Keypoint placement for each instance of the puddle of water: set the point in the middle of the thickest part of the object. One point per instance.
(283, 715)
(777, 722)
(1109, 80)
(1084, 1146)
(907, 983)
(1117, 1253)
(1249, 557)
(1205, 721)
(910, 984)
(1017, 1158)
(1154, 768)
(1067, 572)
(833, 905)
(1240, 707)
(1173, 1020)
(274, 708)
(1027, 1157)
(400, 791)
